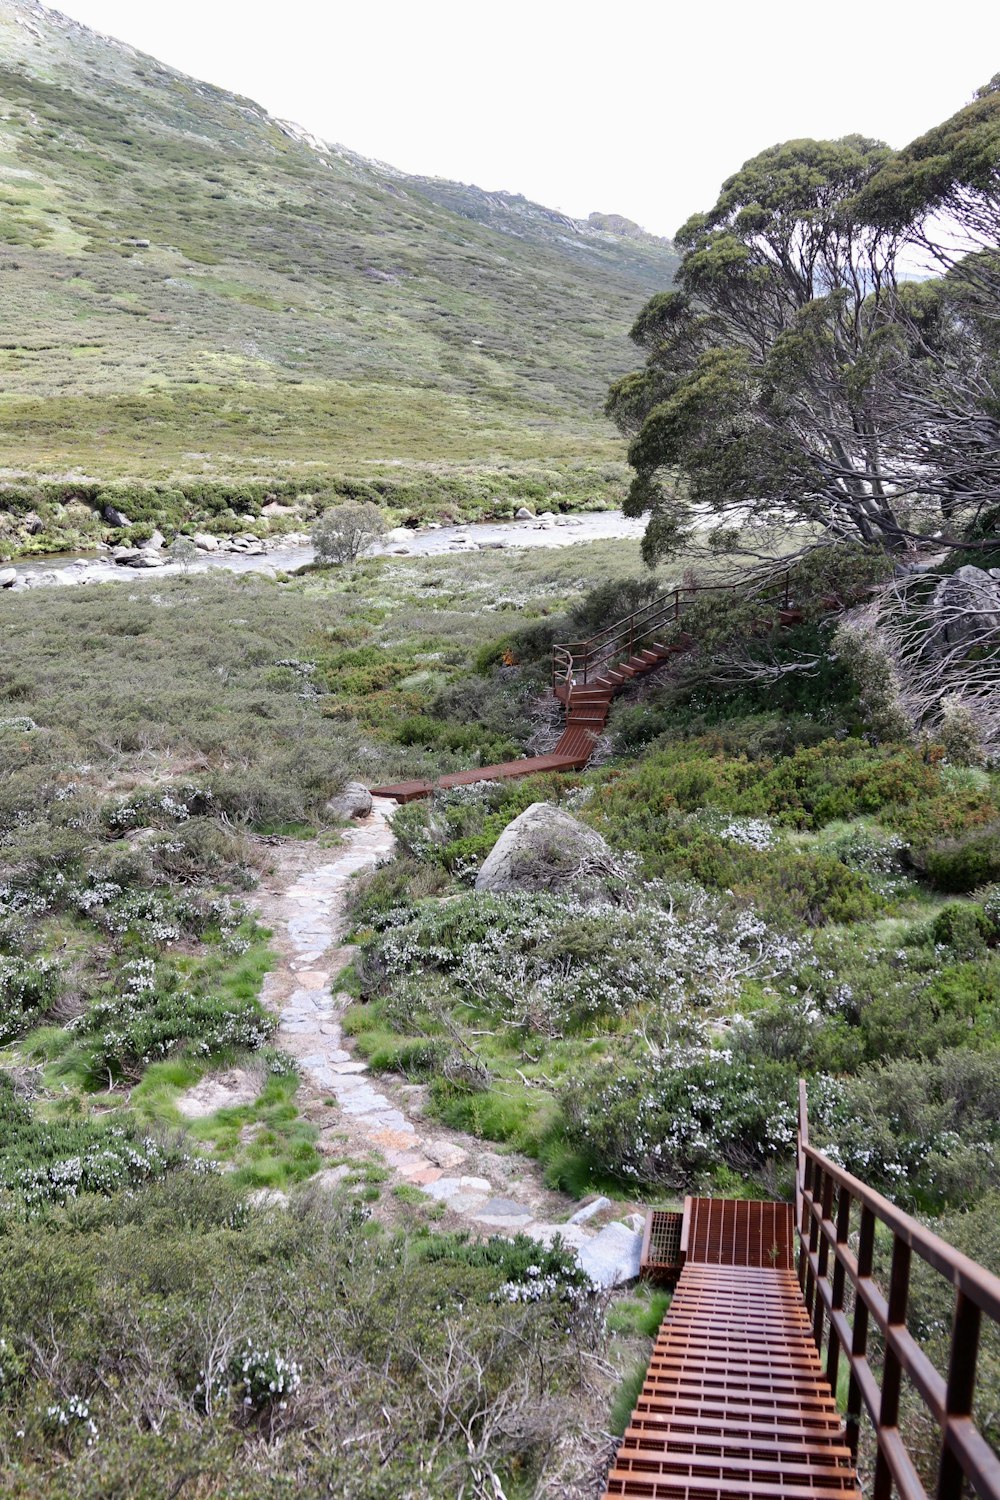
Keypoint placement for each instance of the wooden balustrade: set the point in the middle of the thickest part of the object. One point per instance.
(839, 1218)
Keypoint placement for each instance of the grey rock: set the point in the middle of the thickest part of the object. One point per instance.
(504, 1208)
(204, 542)
(598, 1205)
(8, 577)
(524, 514)
(145, 559)
(33, 523)
(967, 604)
(115, 517)
(155, 542)
(545, 849)
(399, 534)
(355, 801)
(613, 1256)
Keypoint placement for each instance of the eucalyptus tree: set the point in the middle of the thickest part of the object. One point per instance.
(942, 194)
(766, 388)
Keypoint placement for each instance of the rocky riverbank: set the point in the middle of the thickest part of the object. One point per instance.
(291, 551)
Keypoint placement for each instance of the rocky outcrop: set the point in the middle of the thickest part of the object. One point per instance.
(966, 608)
(545, 849)
(355, 801)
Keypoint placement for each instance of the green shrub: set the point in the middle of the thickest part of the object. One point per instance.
(151, 1013)
(666, 1122)
(926, 1133)
(963, 863)
(28, 989)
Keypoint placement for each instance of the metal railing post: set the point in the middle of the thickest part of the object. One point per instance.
(960, 1391)
(892, 1370)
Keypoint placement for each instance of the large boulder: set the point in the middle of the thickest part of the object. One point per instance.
(967, 609)
(355, 801)
(545, 849)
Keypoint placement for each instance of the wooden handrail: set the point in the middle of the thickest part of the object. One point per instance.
(825, 1197)
(575, 660)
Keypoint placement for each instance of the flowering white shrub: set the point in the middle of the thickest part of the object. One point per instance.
(664, 1120)
(263, 1377)
(754, 833)
(551, 963)
(72, 1416)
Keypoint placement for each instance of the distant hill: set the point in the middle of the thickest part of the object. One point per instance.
(191, 287)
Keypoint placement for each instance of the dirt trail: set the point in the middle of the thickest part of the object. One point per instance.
(302, 901)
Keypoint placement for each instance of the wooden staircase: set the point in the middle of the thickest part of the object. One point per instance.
(587, 707)
(586, 675)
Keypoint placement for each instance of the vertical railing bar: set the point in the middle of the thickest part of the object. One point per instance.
(814, 1181)
(837, 1288)
(960, 1391)
(892, 1370)
(822, 1258)
(859, 1340)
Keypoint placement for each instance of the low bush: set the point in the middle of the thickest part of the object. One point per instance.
(47, 1162)
(963, 863)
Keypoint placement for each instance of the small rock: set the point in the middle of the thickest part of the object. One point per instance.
(269, 1198)
(355, 801)
(8, 577)
(33, 523)
(155, 542)
(330, 1177)
(399, 534)
(635, 1222)
(218, 1091)
(598, 1205)
(499, 1208)
(115, 517)
(444, 1154)
(524, 514)
(204, 542)
(613, 1256)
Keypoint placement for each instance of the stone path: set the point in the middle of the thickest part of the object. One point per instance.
(303, 903)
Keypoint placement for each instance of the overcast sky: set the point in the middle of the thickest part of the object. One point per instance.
(639, 109)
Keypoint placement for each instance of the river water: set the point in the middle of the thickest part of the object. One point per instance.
(81, 567)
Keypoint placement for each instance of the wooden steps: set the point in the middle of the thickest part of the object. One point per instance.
(587, 708)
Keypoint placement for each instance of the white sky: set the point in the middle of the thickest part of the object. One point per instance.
(634, 108)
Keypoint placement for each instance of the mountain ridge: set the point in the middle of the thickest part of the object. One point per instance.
(190, 287)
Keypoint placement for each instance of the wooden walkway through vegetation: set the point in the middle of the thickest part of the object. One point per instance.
(738, 1401)
(586, 675)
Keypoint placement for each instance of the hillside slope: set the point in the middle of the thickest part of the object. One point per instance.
(190, 287)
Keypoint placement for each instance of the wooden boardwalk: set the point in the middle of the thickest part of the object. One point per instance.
(587, 708)
(735, 1403)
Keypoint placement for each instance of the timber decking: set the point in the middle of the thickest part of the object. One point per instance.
(735, 1405)
(587, 709)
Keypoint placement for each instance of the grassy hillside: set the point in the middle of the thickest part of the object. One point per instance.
(191, 288)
